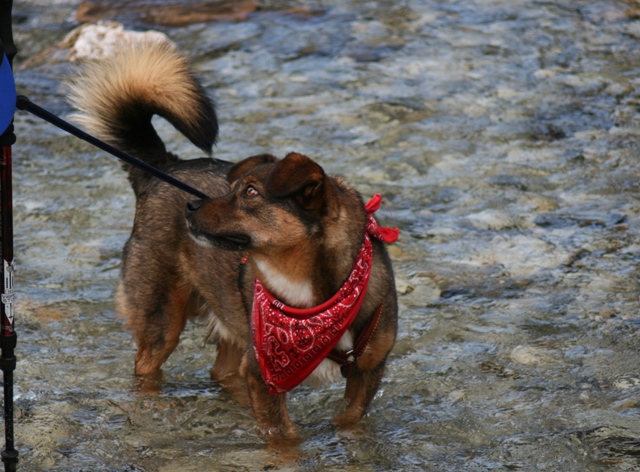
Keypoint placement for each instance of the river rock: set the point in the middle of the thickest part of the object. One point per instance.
(90, 42)
(98, 41)
(159, 12)
(530, 355)
(423, 290)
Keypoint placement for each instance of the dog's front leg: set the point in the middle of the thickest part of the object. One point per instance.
(364, 377)
(269, 410)
(362, 386)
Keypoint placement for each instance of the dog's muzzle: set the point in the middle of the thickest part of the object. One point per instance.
(225, 240)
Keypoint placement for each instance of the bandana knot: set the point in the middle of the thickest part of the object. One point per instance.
(387, 235)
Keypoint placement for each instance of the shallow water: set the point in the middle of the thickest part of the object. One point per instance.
(504, 137)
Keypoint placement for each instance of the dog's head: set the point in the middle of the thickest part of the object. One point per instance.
(273, 204)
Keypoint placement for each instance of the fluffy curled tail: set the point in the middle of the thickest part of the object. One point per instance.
(116, 98)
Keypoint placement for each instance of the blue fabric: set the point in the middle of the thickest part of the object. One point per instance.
(7, 94)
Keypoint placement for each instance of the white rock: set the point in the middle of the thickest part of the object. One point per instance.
(425, 291)
(529, 355)
(624, 382)
(97, 41)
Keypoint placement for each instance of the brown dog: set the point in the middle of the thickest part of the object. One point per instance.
(281, 227)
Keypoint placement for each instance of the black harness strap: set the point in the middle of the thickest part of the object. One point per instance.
(347, 359)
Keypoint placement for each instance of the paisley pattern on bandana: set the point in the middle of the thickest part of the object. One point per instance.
(290, 343)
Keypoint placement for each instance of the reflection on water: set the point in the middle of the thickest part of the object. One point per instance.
(504, 138)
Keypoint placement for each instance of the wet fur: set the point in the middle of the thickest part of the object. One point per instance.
(301, 227)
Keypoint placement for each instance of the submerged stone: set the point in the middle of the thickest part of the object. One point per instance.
(160, 12)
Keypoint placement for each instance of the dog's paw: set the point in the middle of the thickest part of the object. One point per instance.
(150, 383)
(348, 420)
(280, 437)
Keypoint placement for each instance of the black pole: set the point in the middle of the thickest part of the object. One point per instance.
(8, 336)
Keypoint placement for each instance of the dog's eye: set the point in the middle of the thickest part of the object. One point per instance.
(250, 191)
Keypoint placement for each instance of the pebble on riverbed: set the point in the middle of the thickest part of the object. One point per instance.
(529, 355)
(163, 13)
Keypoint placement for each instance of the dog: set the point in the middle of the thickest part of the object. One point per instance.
(276, 239)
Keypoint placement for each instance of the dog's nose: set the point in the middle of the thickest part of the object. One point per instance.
(194, 205)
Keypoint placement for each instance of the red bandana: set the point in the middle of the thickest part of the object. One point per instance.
(290, 343)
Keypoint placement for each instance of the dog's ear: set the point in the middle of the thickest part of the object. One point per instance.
(298, 176)
(244, 166)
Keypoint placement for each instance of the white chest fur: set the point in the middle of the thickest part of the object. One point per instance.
(328, 371)
(292, 292)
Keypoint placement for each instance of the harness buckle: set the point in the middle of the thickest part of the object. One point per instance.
(350, 358)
